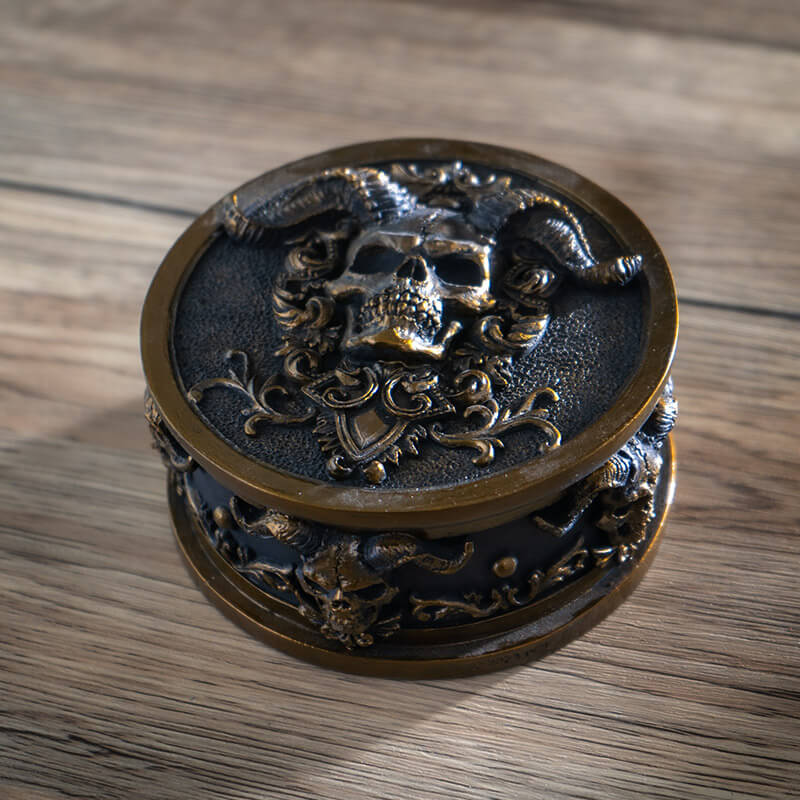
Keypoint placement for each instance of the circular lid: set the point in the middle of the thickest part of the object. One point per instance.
(414, 334)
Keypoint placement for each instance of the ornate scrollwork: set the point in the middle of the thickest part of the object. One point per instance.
(486, 438)
(400, 321)
(505, 597)
(261, 408)
(621, 493)
(341, 582)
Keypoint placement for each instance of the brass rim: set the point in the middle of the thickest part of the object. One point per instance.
(459, 651)
(469, 506)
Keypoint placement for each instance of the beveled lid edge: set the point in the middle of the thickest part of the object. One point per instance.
(470, 506)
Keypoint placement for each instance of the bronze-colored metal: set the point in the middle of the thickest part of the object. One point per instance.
(416, 274)
(413, 398)
(436, 511)
(344, 584)
(494, 642)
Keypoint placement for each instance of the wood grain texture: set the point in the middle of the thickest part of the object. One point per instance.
(119, 122)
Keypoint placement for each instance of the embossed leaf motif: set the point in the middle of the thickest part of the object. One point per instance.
(261, 409)
(486, 438)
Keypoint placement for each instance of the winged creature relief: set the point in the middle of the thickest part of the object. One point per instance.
(401, 315)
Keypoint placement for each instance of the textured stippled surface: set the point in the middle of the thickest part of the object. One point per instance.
(589, 352)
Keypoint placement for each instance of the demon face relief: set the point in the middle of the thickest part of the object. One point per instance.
(400, 317)
(341, 581)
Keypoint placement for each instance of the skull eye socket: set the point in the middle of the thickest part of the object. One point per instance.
(376, 260)
(372, 593)
(459, 270)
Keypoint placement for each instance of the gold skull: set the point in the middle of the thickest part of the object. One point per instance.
(410, 284)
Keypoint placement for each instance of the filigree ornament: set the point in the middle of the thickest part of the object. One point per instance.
(507, 597)
(341, 583)
(504, 597)
(261, 408)
(401, 319)
(623, 493)
(486, 438)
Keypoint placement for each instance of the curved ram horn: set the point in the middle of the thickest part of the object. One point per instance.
(365, 193)
(559, 233)
(391, 550)
(285, 529)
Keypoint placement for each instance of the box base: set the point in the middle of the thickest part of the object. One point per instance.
(472, 648)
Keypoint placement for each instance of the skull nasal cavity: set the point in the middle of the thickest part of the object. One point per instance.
(413, 267)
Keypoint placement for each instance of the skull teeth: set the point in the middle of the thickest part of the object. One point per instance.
(404, 305)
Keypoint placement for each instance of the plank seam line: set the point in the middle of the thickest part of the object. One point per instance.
(778, 313)
(122, 202)
(95, 197)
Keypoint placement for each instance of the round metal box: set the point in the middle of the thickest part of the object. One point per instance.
(414, 401)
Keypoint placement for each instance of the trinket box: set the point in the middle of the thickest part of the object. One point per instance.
(413, 398)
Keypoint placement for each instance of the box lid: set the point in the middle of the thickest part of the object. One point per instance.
(421, 334)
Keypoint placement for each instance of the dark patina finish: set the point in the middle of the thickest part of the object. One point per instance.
(413, 398)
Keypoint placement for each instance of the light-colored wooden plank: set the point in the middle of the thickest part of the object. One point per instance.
(772, 24)
(111, 651)
(119, 680)
(701, 137)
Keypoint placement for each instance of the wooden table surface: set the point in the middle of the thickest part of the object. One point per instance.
(118, 123)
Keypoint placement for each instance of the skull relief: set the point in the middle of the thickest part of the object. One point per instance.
(405, 281)
(419, 270)
(349, 595)
(382, 273)
(341, 581)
